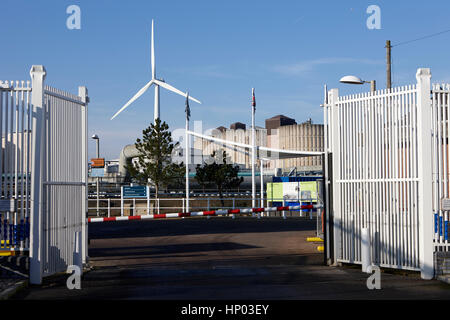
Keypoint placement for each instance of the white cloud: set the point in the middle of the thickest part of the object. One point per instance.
(309, 65)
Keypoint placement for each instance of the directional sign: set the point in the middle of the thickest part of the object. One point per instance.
(97, 172)
(98, 163)
(134, 191)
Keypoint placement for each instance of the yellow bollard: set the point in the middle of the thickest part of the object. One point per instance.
(314, 239)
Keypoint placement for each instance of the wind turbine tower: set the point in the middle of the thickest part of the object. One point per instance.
(154, 81)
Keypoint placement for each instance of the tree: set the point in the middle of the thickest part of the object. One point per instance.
(154, 161)
(220, 173)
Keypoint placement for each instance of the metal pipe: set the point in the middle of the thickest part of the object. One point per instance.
(128, 152)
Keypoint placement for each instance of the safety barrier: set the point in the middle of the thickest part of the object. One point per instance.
(206, 213)
(115, 207)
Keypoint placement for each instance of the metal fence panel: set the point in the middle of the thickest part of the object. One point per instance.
(64, 190)
(15, 130)
(43, 174)
(381, 146)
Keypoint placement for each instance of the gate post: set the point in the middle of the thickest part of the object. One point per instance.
(83, 93)
(37, 74)
(334, 143)
(424, 118)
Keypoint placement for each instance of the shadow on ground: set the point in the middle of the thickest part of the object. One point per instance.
(166, 249)
(179, 227)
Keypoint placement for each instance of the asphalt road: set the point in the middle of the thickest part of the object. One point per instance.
(221, 258)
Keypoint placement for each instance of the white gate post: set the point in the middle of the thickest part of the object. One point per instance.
(83, 93)
(333, 96)
(148, 200)
(37, 74)
(426, 247)
(365, 249)
(121, 201)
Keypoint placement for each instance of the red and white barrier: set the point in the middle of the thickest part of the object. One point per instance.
(205, 213)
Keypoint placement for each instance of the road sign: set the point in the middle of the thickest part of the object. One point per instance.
(134, 192)
(97, 172)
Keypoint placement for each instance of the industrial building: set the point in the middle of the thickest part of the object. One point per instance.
(280, 132)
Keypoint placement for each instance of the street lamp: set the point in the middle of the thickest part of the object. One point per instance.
(356, 80)
(95, 137)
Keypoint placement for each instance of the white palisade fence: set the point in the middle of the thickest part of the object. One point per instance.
(389, 171)
(440, 163)
(15, 129)
(43, 165)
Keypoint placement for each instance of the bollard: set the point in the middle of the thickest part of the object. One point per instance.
(77, 257)
(365, 249)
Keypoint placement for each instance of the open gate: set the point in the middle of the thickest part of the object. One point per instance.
(388, 171)
(43, 164)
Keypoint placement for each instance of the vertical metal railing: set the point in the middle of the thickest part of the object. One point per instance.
(15, 113)
(381, 146)
(54, 175)
(64, 182)
(441, 172)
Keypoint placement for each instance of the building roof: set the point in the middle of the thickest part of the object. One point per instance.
(278, 121)
(280, 116)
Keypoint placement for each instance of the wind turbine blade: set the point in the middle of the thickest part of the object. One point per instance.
(136, 96)
(153, 53)
(170, 88)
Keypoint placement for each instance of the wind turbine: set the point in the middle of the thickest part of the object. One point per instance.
(157, 82)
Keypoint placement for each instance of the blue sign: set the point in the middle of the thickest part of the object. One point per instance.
(97, 172)
(134, 191)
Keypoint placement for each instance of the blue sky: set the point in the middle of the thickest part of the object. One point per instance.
(218, 51)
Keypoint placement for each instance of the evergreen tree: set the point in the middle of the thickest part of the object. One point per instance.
(154, 162)
(219, 173)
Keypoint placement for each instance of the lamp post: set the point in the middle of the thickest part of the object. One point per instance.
(95, 137)
(356, 80)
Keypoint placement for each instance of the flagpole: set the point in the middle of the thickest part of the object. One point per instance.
(253, 149)
(262, 180)
(187, 151)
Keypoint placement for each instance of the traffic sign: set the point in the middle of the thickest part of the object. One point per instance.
(134, 191)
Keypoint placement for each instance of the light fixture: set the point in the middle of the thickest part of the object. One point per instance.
(357, 80)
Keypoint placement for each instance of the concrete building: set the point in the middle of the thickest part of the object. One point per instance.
(307, 137)
(237, 135)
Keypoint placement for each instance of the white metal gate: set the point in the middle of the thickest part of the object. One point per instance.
(382, 174)
(43, 165)
(65, 176)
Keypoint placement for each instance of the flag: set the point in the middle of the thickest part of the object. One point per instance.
(187, 110)
(253, 100)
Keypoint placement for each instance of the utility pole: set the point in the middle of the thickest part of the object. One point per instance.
(388, 64)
